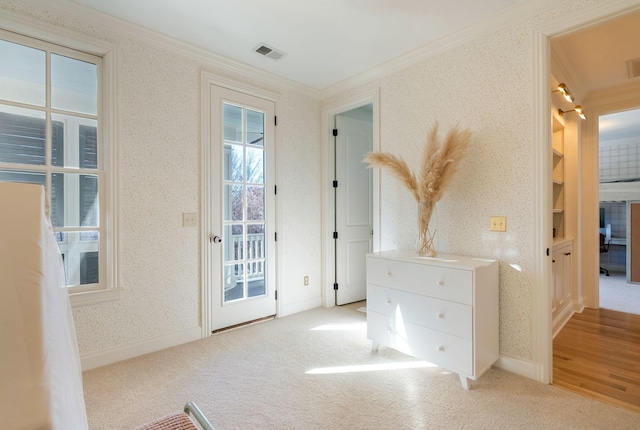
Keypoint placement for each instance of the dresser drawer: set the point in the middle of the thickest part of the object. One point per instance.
(445, 283)
(441, 315)
(426, 344)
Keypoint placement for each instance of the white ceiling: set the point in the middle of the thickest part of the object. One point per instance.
(326, 41)
(329, 41)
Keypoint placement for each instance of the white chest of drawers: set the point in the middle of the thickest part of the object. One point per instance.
(443, 310)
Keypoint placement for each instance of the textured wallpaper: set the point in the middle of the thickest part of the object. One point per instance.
(159, 179)
(484, 85)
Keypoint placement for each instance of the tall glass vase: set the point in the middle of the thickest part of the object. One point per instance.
(425, 237)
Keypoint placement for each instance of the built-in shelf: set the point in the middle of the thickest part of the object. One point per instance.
(557, 178)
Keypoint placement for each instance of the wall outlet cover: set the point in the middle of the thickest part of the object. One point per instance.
(189, 219)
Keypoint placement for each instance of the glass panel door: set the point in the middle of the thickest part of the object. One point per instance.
(243, 203)
(241, 230)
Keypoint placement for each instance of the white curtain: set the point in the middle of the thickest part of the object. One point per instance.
(40, 374)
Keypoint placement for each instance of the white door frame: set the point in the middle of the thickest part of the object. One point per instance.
(206, 228)
(542, 348)
(328, 252)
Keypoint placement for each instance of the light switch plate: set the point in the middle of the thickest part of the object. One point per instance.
(189, 219)
(498, 223)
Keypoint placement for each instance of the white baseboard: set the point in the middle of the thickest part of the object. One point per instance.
(109, 356)
(517, 366)
(562, 319)
(305, 305)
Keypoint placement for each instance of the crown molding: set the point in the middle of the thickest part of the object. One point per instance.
(102, 20)
(589, 16)
(500, 19)
(621, 97)
(37, 29)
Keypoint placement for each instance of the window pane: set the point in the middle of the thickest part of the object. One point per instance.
(255, 250)
(22, 136)
(88, 146)
(233, 203)
(255, 128)
(74, 200)
(74, 142)
(232, 123)
(74, 85)
(255, 241)
(89, 268)
(255, 165)
(81, 258)
(255, 203)
(19, 176)
(233, 161)
(233, 282)
(233, 243)
(22, 73)
(89, 208)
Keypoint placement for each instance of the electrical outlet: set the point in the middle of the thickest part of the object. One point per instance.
(189, 220)
(498, 223)
(306, 280)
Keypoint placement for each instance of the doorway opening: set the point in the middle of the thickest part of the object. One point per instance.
(351, 195)
(619, 194)
(593, 62)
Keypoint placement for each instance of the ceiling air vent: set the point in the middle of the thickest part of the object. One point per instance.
(634, 68)
(268, 51)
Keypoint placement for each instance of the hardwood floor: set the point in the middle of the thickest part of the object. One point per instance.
(597, 354)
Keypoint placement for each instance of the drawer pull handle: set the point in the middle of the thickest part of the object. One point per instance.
(441, 282)
(388, 301)
(441, 348)
(440, 315)
(389, 274)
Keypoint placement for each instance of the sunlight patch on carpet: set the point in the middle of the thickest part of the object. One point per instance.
(341, 327)
(370, 367)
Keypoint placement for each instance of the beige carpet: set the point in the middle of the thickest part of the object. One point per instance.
(315, 370)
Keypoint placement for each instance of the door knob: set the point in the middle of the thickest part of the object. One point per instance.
(215, 239)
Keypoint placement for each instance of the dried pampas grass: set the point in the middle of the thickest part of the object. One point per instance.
(440, 162)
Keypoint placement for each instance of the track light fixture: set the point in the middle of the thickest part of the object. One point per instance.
(578, 110)
(562, 88)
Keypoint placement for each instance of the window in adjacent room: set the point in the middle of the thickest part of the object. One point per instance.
(50, 134)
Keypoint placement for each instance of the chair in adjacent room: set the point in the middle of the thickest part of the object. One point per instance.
(604, 247)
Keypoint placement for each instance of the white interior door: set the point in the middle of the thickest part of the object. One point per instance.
(243, 208)
(354, 206)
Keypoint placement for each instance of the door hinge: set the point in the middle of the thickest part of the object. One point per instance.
(335, 132)
(547, 252)
(335, 234)
(275, 120)
(335, 184)
(276, 294)
(275, 189)
(335, 285)
(276, 236)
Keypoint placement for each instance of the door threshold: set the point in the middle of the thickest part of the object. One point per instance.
(244, 324)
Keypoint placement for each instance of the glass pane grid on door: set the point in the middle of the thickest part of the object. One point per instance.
(243, 204)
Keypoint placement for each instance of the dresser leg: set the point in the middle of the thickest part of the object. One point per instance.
(375, 346)
(464, 381)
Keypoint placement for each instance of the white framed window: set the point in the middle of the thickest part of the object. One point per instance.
(55, 129)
